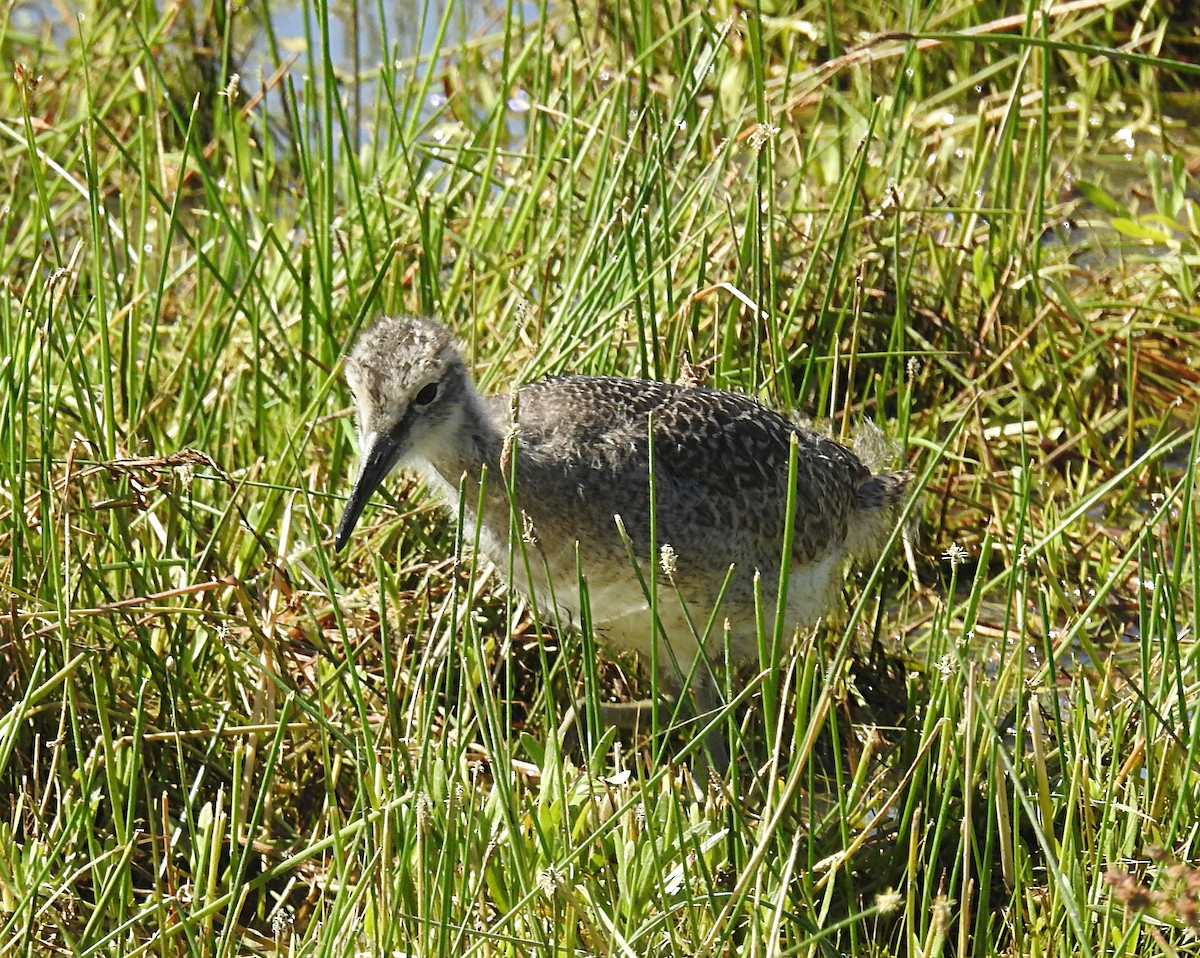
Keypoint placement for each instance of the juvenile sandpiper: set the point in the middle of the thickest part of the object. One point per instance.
(578, 461)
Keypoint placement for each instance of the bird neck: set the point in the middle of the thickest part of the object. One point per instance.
(471, 442)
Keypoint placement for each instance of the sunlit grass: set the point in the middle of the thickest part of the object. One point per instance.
(217, 736)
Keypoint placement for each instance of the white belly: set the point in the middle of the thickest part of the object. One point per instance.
(621, 617)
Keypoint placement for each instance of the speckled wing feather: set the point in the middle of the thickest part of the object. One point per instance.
(720, 463)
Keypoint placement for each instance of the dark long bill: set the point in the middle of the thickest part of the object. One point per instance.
(377, 461)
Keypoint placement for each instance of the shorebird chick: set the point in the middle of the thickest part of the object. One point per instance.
(582, 457)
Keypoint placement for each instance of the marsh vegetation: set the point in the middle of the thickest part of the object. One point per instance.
(973, 225)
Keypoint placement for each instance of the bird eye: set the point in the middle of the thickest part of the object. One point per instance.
(427, 394)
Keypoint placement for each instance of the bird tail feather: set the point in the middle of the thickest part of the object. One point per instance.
(880, 502)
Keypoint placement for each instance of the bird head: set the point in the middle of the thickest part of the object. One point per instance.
(409, 383)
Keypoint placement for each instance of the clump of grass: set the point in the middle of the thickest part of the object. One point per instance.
(216, 736)
(1175, 900)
